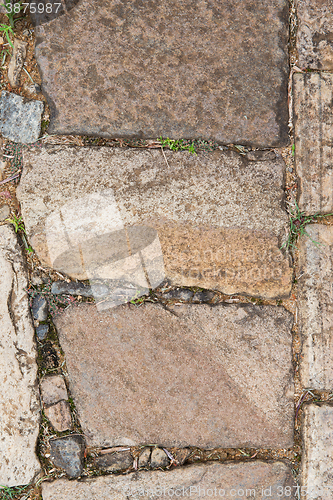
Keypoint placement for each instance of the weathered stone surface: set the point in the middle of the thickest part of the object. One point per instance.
(174, 68)
(20, 120)
(317, 460)
(144, 458)
(258, 476)
(16, 62)
(112, 462)
(39, 308)
(214, 221)
(60, 416)
(53, 389)
(19, 401)
(313, 97)
(181, 455)
(314, 34)
(199, 375)
(316, 307)
(159, 458)
(68, 453)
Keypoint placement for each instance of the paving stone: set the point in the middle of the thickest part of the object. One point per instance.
(16, 62)
(20, 119)
(159, 458)
(39, 308)
(42, 331)
(196, 480)
(207, 233)
(144, 458)
(113, 462)
(314, 34)
(53, 389)
(19, 398)
(67, 453)
(171, 68)
(59, 415)
(146, 375)
(315, 304)
(317, 460)
(313, 97)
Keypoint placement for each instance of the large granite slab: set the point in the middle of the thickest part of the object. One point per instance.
(195, 375)
(214, 220)
(316, 307)
(312, 98)
(317, 460)
(231, 480)
(315, 34)
(19, 398)
(175, 68)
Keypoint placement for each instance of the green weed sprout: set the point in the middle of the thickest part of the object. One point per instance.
(10, 493)
(298, 220)
(177, 145)
(11, 10)
(6, 30)
(18, 224)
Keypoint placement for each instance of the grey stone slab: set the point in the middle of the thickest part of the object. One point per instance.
(19, 398)
(175, 68)
(68, 453)
(116, 461)
(314, 34)
(20, 119)
(194, 376)
(39, 308)
(317, 459)
(315, 302)
(312, 98)
(214, 220)
(232, 480)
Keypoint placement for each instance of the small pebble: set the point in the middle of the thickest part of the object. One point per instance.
(159, 458)
(290, 169)
(180, 294)
(42, 331)
(39, 308)
(200, 297)
(144, 457)
(4, 212)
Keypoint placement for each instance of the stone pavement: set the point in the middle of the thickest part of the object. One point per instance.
(161, 286)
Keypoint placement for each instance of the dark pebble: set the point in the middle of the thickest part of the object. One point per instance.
(180, 294)
(200, 297)
(112, 462)
(42, 331)
(68, 453)
(39, 308)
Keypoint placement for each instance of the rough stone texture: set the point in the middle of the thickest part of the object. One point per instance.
(199, 375)
(317, 460)
(159, 458)
(316, 307)
(20, 120)
(19, 401)
(217, 218)
(72, 288)
(314, 34)
(175, 68)
(115, 461)
(258, 476)
(68, 453)
(182, 455)
(16, 62)
(53, 389)
(144, 457)
(60, 416)
(312, 98)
